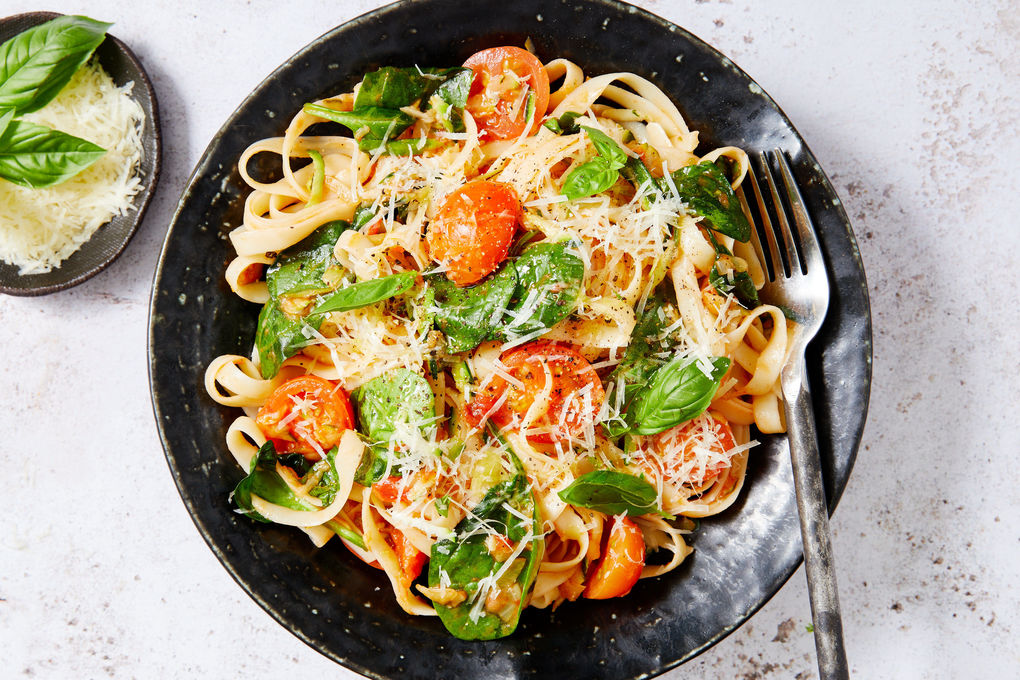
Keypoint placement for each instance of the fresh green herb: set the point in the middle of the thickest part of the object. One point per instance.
(550, 277)
(467, 316)
(382, 124)
(612, 492)
(405, 147)
(677, 392)
(318, 178)
(810, 628)
(366, 293)
(278, 336)
(566, 124)
(637, 173)
(264, 481)
(735, 282)
(708, 194)
(464, 562)
(5, 119)
(598, 174)
(362, 215)
(443, 505)
(393, 409)
(35, 156)
(36, 64)
(393, 87)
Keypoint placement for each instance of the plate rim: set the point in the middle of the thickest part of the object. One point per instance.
(206, 161)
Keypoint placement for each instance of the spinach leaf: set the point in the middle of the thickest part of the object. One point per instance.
(549, 281)
(677, 392)
(600, 172)
(393, 87)
(612, 492)
(366, 293)
(467, 316)
(36, 64)
(638, 174)
(265, 482)
(383, 124)
(564, 125)
(708, 193)
(735, 282)
(393, 410)
(465, 562)
(400, 147)
(451, 98)
(35, 156)
(300, 273)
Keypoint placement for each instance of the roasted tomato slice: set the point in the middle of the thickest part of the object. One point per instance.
(555, 391)
(505, 78)
(306, 415)
(619, 568)
(473, 229)
(696, 452)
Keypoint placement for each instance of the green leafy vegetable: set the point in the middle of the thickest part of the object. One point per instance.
(466, 563)
(600, 172)
(708, 193)
(382, 124)
(549, 281)
(735, 282)
(278, 336)
(637, 173)
(5, 119)
(393, 409)
(302, 267)
(612, 492)
(566, 124)
(468, 315)
(264, 481)
(677, 392)
(394, 87)
(36, 64)
(366, 293)
(35, 156)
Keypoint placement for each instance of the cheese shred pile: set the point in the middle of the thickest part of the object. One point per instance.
(40, 228)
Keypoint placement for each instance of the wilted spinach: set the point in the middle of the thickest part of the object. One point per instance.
(708, 194)
(549, 281)
(467, 316)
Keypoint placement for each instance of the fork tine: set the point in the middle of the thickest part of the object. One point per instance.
(770, 256)
(789, 248)
(809, 250)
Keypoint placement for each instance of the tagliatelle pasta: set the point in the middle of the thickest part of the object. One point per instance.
(510, 342)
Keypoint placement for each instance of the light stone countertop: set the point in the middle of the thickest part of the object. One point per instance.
(911, 107)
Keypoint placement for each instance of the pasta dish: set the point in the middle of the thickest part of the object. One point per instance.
(510, 348)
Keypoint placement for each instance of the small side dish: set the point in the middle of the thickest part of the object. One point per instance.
(71, 143)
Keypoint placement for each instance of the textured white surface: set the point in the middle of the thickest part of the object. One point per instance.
(912, 108)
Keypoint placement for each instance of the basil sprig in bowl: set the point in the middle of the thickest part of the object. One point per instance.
(109, 240)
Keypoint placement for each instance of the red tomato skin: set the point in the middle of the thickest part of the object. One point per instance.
(495, 121)
(410, 559)
(473, 230)
(331, 414)
(570, 372)
(726, 442)
(622, 561)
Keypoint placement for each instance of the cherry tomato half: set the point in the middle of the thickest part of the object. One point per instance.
(306, 415)
(473, 229)
(676, 449)
(498, 100)
(575, 395)
(619, 568)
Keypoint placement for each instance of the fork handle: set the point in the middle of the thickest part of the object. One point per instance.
(814, 524)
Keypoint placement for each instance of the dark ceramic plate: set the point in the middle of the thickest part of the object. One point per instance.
(110, 239)
(327, 597)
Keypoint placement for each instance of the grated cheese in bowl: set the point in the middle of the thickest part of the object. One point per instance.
(40, 228)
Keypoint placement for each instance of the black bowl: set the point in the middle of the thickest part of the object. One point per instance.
(110, 239)
(343, 608)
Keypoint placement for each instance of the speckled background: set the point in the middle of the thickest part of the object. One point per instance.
(912, 109)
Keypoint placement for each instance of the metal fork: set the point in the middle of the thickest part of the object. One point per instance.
(797, 281)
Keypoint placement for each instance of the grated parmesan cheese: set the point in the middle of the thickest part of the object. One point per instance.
(40, 228)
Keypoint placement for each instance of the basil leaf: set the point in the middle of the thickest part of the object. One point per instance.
(36, 64)
(455, 89)
(467, 316)
(606, 147)
(382, 123)
(708, 194)
(5, 119)
(366, 293)
(612, 492)
(564, 125)
(589, 179)
(35, 156)
(677, 392)
(549, 281)
(639, 362)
